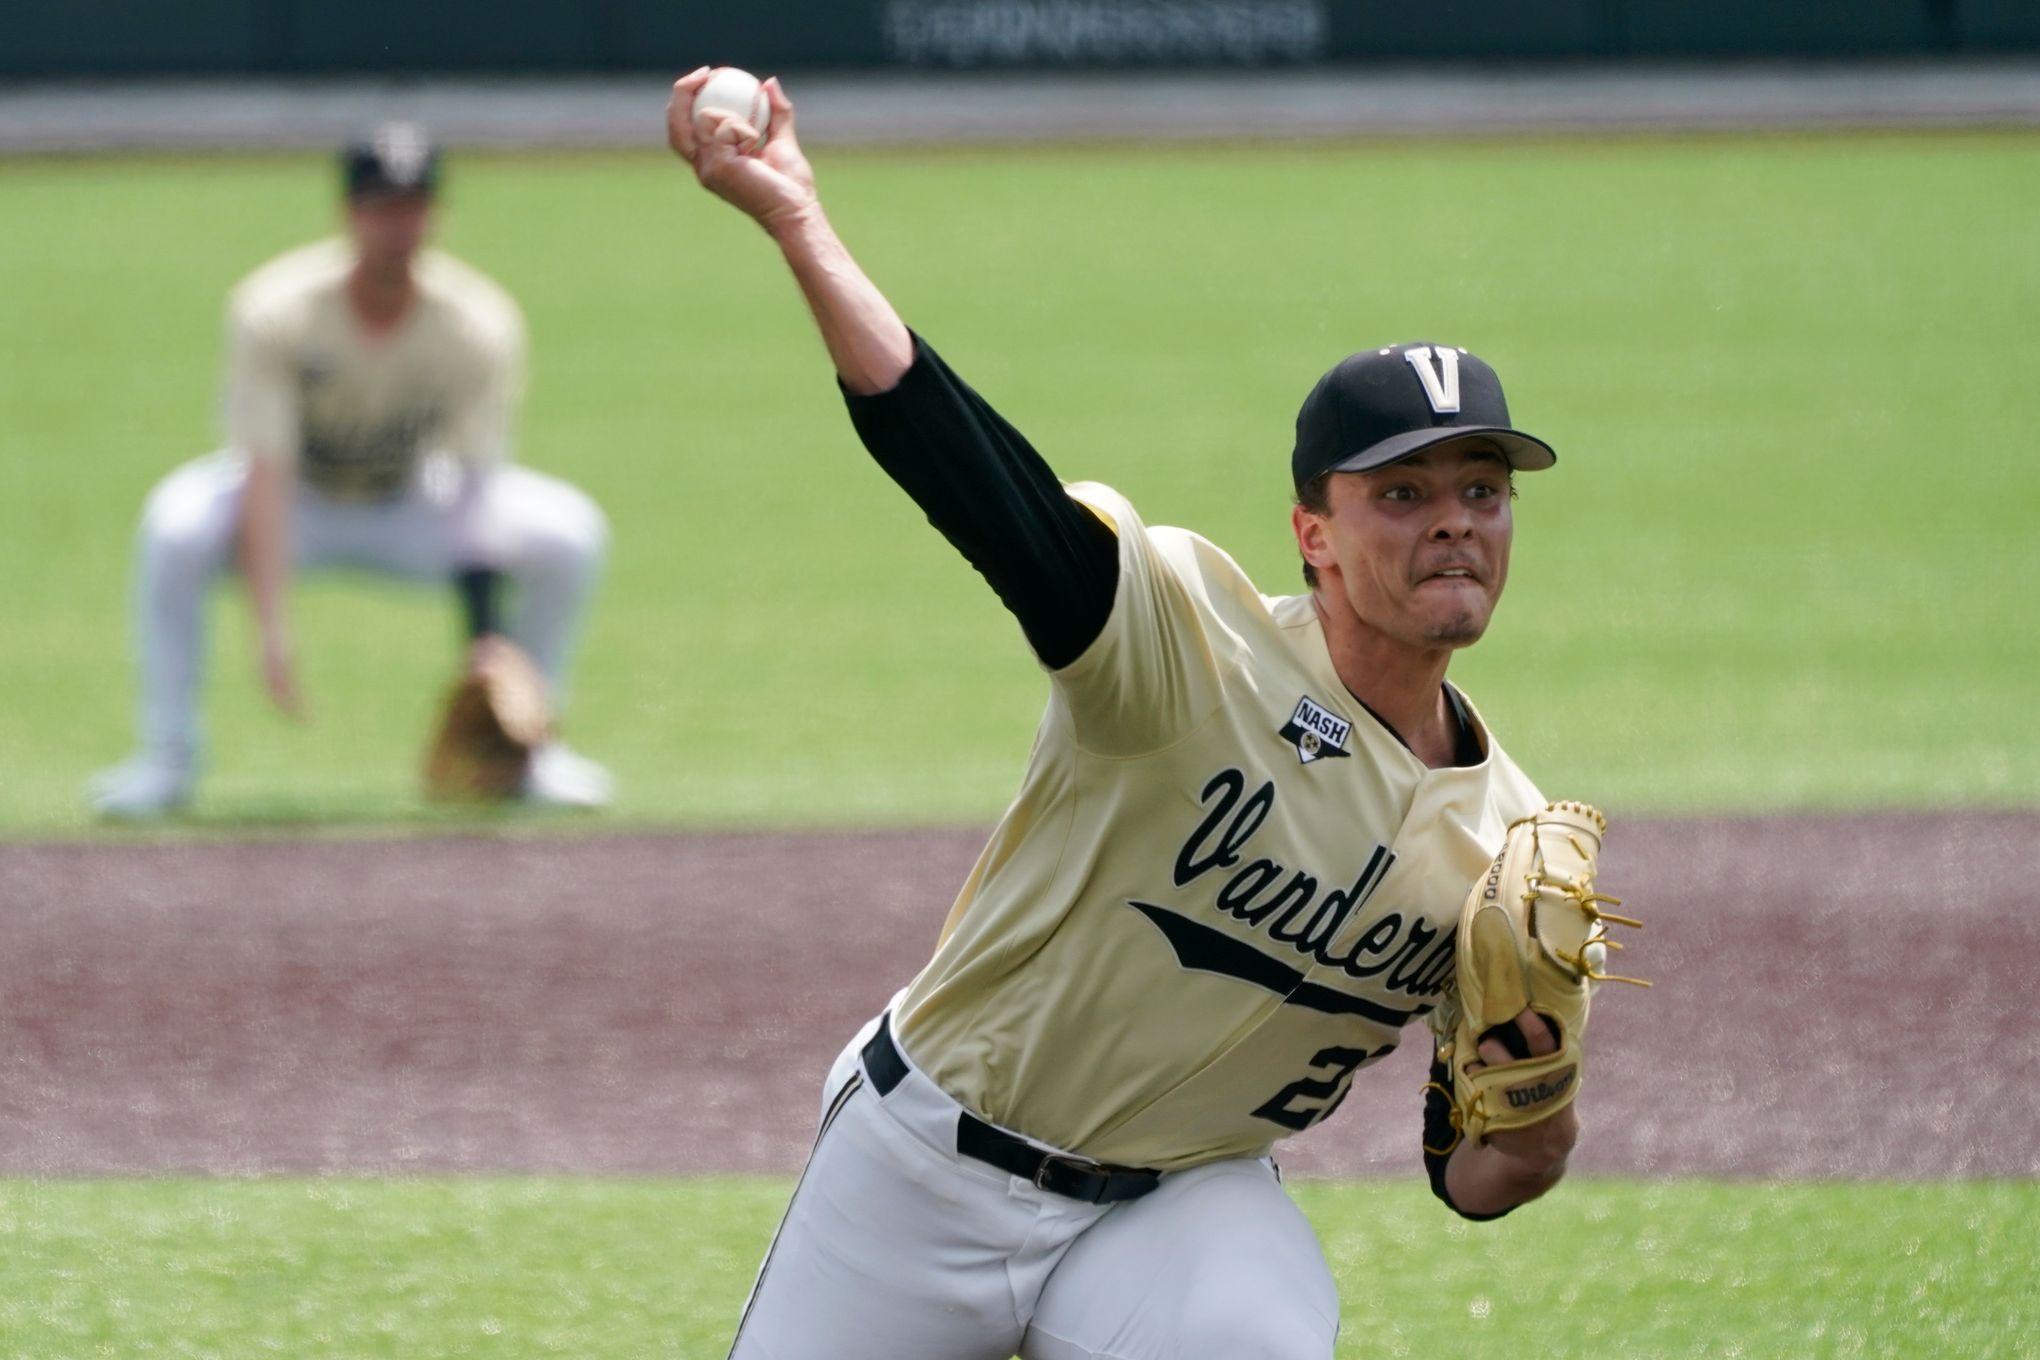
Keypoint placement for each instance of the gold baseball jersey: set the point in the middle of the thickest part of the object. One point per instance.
(355, 413)
(1223, 887)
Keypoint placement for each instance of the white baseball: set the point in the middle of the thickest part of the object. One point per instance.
(730, 90)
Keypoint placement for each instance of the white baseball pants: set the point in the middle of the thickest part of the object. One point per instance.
(545, 536)
(897, 1247)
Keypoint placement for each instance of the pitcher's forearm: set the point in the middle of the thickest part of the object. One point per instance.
(867, 340)
(1511, 1168)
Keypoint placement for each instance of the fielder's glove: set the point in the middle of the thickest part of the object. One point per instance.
(1532, 935)
(495, 716)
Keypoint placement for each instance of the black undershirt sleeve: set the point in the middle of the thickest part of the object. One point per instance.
(1440, 1138)
(1053, 562)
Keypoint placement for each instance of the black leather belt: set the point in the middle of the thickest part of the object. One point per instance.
(1056, 1172)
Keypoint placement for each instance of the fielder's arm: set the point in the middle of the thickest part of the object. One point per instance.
(261, 413)
(265, 549)
(479, 438)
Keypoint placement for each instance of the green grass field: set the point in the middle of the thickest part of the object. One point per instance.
(1785, 562)
(600, 1269)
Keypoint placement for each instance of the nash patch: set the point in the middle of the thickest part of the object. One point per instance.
(1314, 732)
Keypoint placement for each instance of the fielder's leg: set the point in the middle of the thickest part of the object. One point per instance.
(185, 540)
(550, 539)
(544, 536)
(1218, 1261)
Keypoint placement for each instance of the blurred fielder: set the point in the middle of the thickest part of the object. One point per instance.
(371, 387)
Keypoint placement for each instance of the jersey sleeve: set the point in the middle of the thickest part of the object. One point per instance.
(1052, 562)
(480, 427)
(259, 406)
(1156, 670)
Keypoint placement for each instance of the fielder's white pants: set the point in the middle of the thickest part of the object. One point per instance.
(545, 536)
(897, 1247)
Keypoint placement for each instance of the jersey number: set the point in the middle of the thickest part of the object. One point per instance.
(1292, 1106)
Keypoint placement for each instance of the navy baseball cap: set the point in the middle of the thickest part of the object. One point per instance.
(397, 158)
(1383, 405)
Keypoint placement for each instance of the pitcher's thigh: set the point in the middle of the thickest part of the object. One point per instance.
(886, 1254)
(1219, 1261)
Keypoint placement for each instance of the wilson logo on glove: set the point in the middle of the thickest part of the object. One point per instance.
(1523, 1097)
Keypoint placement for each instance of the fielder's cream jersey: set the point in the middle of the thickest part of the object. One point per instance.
(355, 412)
(1223, 887)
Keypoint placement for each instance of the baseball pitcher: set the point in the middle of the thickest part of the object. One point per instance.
(1255, 843)
(371, 388)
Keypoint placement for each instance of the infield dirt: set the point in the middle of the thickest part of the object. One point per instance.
(1835, 997)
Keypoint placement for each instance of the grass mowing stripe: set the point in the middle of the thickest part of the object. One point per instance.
(600, 1268)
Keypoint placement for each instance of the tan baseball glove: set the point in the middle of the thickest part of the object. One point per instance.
(1532, 935)
(495, 716)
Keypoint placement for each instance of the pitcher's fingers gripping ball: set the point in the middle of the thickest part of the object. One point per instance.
(740, 96)
(765, 176)
(1532, 936)
(495, 717)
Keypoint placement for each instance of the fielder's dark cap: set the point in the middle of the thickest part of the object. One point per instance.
(1383, 405)
(397, 158)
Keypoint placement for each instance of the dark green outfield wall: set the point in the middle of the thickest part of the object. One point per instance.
(126, 37)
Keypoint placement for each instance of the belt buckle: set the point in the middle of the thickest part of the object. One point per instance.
(1050, 1159)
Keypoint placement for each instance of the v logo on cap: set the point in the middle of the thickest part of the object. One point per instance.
(1442, 387)
(1365, 412)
